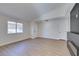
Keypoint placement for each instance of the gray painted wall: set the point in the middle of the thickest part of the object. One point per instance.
(74, 21)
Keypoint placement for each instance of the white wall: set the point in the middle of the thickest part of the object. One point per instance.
(54, 28)
(6, 38)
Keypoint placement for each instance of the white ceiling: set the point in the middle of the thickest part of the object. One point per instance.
(32, 11)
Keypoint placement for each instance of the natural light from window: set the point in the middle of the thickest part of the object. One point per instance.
(19, 27)
(11, 27)
(14, 27)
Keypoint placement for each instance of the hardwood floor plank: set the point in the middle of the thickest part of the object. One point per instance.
(36, 47)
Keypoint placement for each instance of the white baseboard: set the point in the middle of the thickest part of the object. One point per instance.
(49, 38)
(6, 43)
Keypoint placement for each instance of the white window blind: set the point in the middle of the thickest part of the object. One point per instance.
(11, 27)
(14, 27)
(19, 28)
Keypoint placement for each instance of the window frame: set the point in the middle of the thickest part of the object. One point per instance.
(16, 27)
(21, 28)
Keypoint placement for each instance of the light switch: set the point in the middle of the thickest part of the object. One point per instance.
(76, 15)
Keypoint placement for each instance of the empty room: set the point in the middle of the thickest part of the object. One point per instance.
(39, 29)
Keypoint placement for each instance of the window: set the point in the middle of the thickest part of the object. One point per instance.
(14, 27)
(11, 27)
(19, 27)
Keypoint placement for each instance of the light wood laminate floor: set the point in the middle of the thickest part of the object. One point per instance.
(36, 47)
